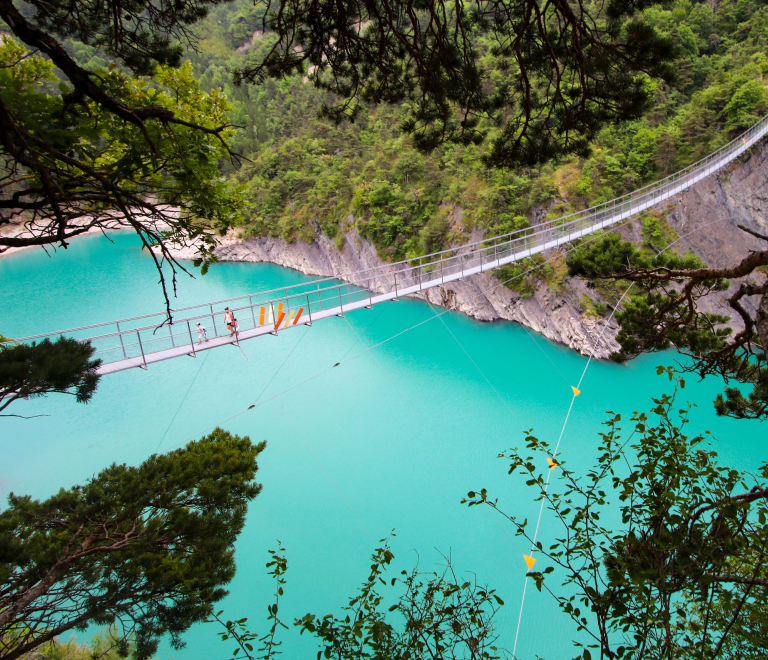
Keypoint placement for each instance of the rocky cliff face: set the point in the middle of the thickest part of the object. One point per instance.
(557, 316)
(705, 217)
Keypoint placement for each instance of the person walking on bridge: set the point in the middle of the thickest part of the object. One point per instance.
(201, 334)
(229, 319)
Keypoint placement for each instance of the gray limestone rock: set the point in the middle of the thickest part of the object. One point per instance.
(705, 217)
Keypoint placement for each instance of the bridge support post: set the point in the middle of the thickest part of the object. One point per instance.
(274, 319)
(191, 341)
(370, 294)
(141, 346)
(309, 312)
(341, 303)
(119, 334)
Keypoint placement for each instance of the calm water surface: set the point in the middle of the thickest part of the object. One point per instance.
(390, 440)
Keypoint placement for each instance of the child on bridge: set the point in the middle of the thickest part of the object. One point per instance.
(202, 336)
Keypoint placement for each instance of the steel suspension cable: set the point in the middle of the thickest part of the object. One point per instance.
(479, 370)
(280, 368)
(567, 418)
(425, 427)
(184, 398)
(592, 238)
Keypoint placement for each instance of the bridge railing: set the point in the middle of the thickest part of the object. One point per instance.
(139, 336)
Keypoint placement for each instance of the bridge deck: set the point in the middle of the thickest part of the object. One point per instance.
(141, 341)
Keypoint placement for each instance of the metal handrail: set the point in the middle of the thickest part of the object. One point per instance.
(399, 275)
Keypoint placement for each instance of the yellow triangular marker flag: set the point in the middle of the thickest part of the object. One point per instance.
(551, 463)
(576, 390)
(530, 561)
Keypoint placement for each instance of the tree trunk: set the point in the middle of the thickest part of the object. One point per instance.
(761, 322)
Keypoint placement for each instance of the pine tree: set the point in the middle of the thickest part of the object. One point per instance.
(33, 370)
(147, 549)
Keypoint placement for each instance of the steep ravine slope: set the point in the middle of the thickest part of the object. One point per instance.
(704, 217)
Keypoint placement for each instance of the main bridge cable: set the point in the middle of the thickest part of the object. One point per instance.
(592, 238)
(582, 242)
(280, 368)
(304, 442)
(479, 370)
(545, 354)
(359, 339)
(576, 392)
(514, 414)
(527, 331)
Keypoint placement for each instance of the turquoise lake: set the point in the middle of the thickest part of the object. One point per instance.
(392, 439)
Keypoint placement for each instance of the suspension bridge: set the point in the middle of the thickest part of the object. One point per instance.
(143, 340)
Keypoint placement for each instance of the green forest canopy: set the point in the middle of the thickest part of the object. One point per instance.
(307, 175)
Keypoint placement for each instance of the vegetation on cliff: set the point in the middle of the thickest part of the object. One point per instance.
(307, 174)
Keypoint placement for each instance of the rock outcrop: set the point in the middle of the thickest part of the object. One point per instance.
(707, 215)
(557, 316)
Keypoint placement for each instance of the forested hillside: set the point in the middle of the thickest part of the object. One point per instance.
(305, 174)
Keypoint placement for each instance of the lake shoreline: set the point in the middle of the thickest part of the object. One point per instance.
(704, 218)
